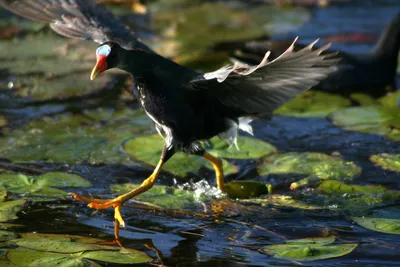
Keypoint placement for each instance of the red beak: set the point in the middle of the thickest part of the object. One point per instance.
(101, 66)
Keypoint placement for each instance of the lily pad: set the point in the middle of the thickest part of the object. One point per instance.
(355, 198)
(284, 202)
(387, 161)
(309, 249)
(370, 119)
(43, 185)
(308, 164)
(246, 189)
(227, 21)
(45, 68)
(163, 196)
(338, 187)
(148, 149)
(9, 209)
(249, 148)
(313, 104)
(27, 257)
(94, 138)
(69, 250)
(384, 225)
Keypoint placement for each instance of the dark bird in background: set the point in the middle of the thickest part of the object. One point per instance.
(185, 106)
(373, 73)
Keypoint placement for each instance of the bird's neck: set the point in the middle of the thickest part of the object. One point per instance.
(389, 43)
(140, 63)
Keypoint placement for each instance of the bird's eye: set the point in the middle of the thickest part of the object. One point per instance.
(103, 50)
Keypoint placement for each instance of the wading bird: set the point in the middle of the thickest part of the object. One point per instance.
(185, 106)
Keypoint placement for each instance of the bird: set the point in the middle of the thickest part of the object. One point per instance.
(372, 73)
(186, 106)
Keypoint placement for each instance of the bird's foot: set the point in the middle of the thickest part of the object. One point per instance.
(100, 204)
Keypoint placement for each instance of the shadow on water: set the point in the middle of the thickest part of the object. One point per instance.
(235, 237)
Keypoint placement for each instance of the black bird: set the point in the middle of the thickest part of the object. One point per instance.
(372, 73)
(186, 106)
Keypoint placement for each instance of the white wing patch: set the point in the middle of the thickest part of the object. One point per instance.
(103, 50)
(231, 134)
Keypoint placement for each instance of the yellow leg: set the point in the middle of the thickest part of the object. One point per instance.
(219, 173)
(117, 202)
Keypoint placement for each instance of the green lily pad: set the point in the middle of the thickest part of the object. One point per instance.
(313, 104)
(148, 149)
(249, 148)
(9, 209)
(43, 185)
(355, 198)
(338, 187)
(246, 189)
(284, 201)
(370, 119)
(384, 225)
(163, 196)
(67, 250)
(94, 138)
(227, 22)
(46, 68)
(387, 161)
(309, 249)
(308, 164)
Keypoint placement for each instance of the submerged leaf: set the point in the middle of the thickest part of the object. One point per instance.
(384, 225)
(309, 249)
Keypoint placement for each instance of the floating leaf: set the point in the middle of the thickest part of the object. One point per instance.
(309, 249)
(76, 138)
(384, 225)
(9, 209)
(249, 148)
(308, 164)
(65, 250)
(41, 185)
(45, 69)
(387, 161)
(246, 189)
(370, 119)
(163, 196)
(355, 198)
(283, 201)
(337, 187)
(148, 148)
(313, 104)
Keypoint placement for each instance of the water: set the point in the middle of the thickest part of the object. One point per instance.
(235, 237)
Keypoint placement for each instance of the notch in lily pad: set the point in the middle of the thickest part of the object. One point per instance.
(43, 187)
(309, 249)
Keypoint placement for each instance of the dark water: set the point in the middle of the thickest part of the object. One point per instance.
(233, 240)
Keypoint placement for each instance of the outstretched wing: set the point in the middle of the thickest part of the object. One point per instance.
(82, 19)
(259, 90)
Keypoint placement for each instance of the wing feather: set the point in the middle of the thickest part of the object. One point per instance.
(259, 90)
(82, 19)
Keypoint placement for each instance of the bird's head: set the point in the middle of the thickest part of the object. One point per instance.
(107, 58)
